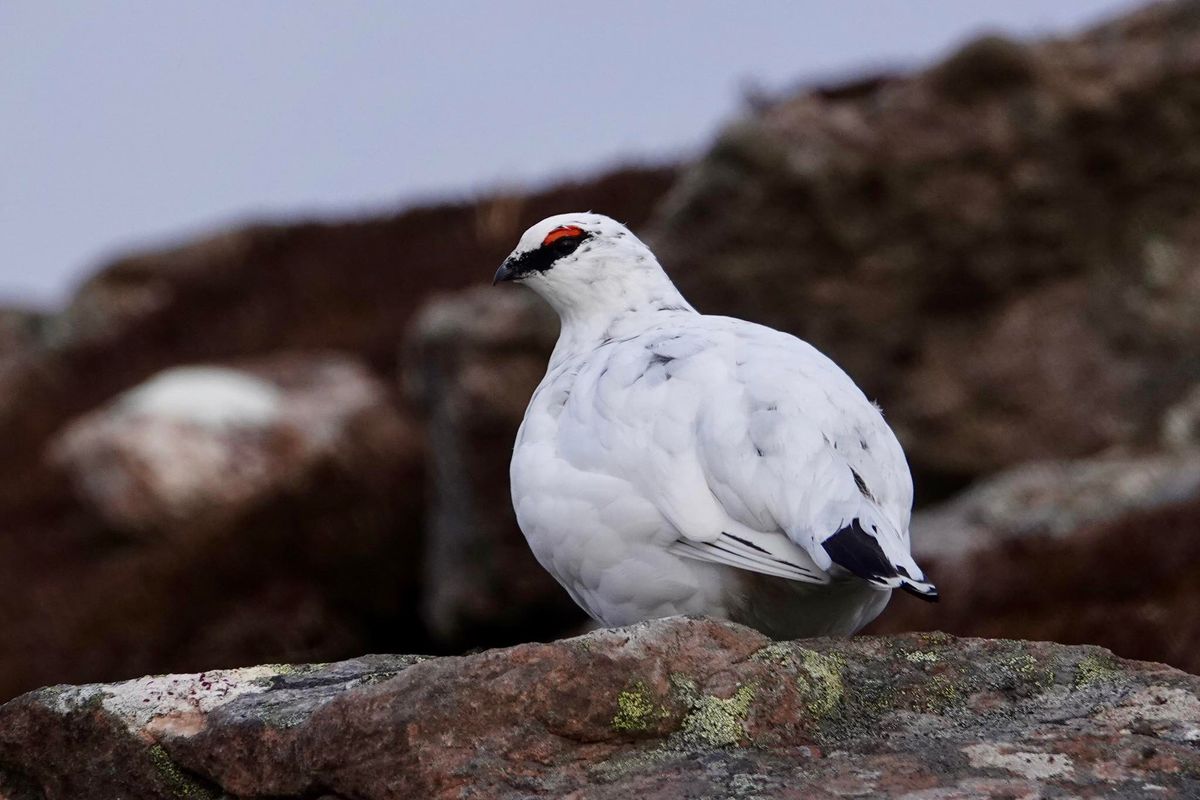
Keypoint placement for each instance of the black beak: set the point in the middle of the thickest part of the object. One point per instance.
(505, 273)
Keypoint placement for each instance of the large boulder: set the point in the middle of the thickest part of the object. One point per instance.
(195, 446)
(669, 709)
(221, 515)
(1003, 249)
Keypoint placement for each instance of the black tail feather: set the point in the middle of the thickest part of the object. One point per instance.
(931, 596)
(859, 552)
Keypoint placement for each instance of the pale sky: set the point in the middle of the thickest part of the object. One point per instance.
(128, 124)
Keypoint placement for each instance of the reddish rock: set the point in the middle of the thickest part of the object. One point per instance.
(196, 446)
(265, 510)
(673, 708)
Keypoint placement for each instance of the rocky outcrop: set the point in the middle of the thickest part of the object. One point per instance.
(197, 446)
(1003, 249)
(220, 515)
(674, 708)
(156, 514)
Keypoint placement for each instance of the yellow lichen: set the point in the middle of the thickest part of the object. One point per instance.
(718, 722)
(935, 638)
(1095, 669)
(636, 710)
(940, 694)
(1029, 670)
(820, 679)
(178, 783)
(921, 657)
(774, 653)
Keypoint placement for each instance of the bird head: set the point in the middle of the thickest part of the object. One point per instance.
(585, 261)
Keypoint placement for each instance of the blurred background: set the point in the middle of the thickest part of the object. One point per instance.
(257, 399)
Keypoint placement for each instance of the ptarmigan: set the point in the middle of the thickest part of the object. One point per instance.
(672, 462)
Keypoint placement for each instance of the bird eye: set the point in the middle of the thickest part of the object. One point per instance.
(564, 238)
(566, 245)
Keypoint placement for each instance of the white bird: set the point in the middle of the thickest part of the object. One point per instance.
(672, 462)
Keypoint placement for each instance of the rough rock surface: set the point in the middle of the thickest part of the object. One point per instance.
(674, 708)
(1004, 250)
(220, 515)
(473, 361)
(1103, 551)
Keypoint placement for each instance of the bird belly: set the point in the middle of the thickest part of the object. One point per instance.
(610, 554)
(607, 544)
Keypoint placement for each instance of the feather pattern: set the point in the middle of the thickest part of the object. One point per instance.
(668, 454)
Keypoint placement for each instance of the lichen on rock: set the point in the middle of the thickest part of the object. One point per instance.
(695, 705)
(821, 680)
(637, 710)
(715, 721)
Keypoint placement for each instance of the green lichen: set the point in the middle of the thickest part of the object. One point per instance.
(774, 653)
(684, 687)
(1023, 668)
(940, 694)
(820, 678)
(718, 722)
(922, 657)
(636, 710)
(178, 782)
(283, 671)
(936, 638)
(630, 762)
(1095, 669)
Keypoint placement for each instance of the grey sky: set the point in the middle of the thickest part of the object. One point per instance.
(132, 123)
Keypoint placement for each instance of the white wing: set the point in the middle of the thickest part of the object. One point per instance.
(758, 450)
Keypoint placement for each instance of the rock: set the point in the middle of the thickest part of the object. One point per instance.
(474, 359)
(1098, 551)
(1181, 423)
(220, 515)
(199, 445)
(672, 708)
(132, 543)
(1003, 249)
(18, 328)
(349, 286)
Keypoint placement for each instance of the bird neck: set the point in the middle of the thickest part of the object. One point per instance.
(627, 313)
